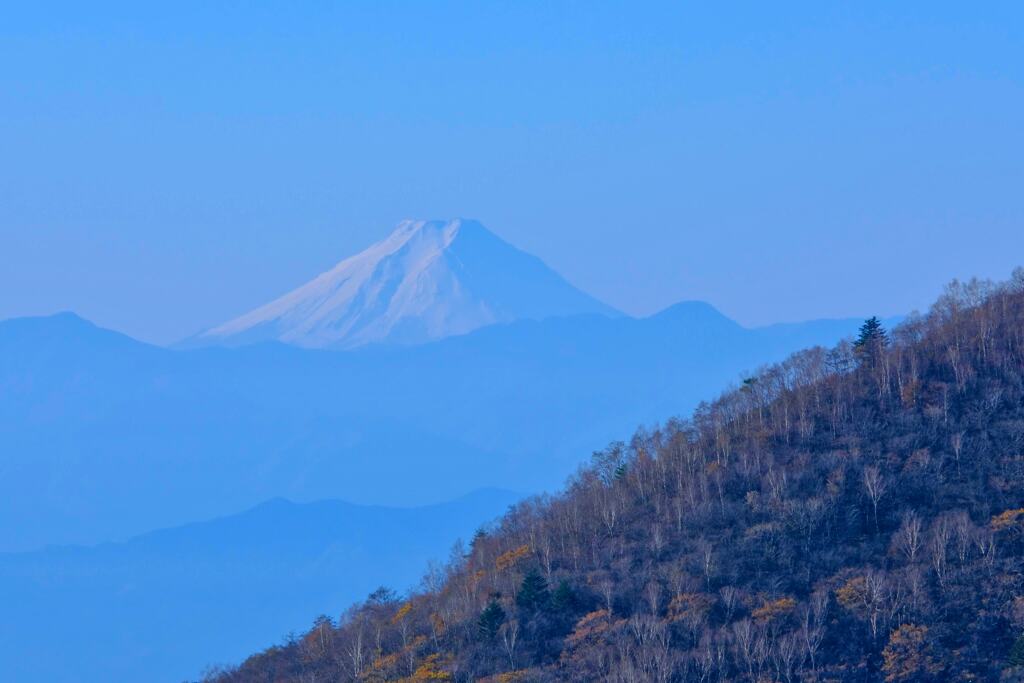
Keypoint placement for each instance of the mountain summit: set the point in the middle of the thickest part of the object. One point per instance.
(425, 281)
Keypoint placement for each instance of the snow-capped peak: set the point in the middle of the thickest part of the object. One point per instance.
(424, 281)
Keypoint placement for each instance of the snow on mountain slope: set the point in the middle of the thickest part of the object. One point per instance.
(425, 281)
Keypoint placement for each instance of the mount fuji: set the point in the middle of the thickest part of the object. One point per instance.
(426, 281)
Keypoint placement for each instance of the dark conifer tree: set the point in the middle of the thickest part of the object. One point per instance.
(491, 620)
(871, 340)
(1016, 657)
(533, 594)
(564, 600)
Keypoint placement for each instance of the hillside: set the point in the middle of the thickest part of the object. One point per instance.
(854, 514)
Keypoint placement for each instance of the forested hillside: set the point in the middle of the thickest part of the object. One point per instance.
(853, 514)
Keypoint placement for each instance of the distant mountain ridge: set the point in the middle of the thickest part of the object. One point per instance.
(106, 438)
(196, 585)
(427, 280)
(93, 423)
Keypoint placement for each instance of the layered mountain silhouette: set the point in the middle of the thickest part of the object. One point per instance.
(427, 280)
(440, 361)
(162, 606)
(105, 437)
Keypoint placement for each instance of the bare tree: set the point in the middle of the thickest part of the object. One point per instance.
(874, 485)
(957, 442)
(812, 627)
(509, 639)
(743, 637)
(786, 656)
(730, 596)
(937, 547)
(909, 538)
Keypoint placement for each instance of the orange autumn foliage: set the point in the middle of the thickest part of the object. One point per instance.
(776, 608)
(509, 559)
(507, 677)
(1005, 520)
(690, 607)
(907, 655)
(401, 613)
(429, 670)
(590, 626)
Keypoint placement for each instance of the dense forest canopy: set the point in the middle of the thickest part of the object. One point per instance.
(849, 514)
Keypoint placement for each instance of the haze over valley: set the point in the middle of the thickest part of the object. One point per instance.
(110, 438)
(511, 342)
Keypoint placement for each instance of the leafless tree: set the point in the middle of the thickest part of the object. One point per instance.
(874, 485)
(509, 639)
(909, 537)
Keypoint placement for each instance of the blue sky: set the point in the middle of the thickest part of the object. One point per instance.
(168, 167)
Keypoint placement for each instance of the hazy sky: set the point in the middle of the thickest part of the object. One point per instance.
(165, 168)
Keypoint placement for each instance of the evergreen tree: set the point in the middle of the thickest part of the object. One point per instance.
(491, 620)
(533, 594)
(871, 340)
(1016, 657)
(564, 600)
